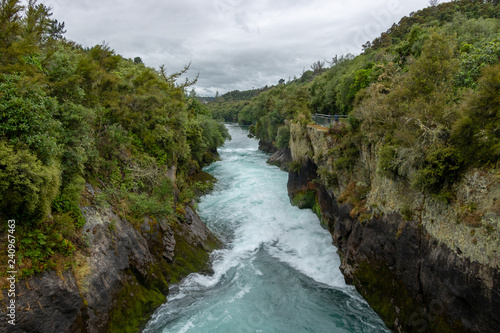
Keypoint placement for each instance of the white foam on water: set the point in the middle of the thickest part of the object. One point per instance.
(258, 207)
(189, 325)
(251, 211)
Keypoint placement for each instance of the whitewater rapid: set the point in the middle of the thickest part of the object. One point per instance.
(278, 272)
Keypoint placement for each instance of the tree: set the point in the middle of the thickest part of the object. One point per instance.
(366, 46)
(26, 117)
(318, 66)
(138, 60)
(192, 93)
(27, 187)
(435, 68)
(10, 27)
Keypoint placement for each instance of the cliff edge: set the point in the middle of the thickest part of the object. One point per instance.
(423, 263)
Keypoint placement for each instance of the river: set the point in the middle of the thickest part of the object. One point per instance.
(279, 271)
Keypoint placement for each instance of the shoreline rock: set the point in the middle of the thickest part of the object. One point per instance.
(120, 281)
(413, 258)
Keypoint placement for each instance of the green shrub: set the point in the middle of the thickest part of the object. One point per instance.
(295, 166)
(26, 117)
(66, 204)
(441, 168)
(476, 132)
(474, 59)
(38, 247)
(345, 155)
(354, 123)
(407, 213)
(149, 205)
(283, 137)
(387, 159)
(78, 143)
(27, 187)
(64, 223)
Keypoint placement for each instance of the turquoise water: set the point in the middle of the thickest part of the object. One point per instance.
(279, 271)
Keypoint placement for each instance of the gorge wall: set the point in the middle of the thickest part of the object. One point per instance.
(121, 278)
(423, 264)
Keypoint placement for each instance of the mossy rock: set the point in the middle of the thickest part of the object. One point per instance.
(387, 295)
(305, 199)
(137, 301)
(191, 257)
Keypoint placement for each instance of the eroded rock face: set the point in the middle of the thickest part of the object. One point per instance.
(281, 158)
(46, 303)
(116, 249)
(122, 278)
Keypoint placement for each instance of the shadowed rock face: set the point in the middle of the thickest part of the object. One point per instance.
(267, 146)
(281, 158)
(46, 303)
(414, 283)
(124, 277)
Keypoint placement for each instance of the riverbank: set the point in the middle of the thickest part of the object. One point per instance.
(120, 278)
(423, 264)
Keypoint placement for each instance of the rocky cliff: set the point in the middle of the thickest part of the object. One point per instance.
(425, 265)
(121, 277)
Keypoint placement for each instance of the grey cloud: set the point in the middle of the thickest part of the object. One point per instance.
(233, 44)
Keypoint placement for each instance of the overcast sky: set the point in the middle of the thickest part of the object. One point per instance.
(232, 44)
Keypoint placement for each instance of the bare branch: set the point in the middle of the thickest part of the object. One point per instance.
(173, 77)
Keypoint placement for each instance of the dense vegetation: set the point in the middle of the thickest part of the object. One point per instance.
(425, 95)
(71, 115)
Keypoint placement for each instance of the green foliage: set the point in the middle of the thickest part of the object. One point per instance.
(66, 204)
(214, 133)
(362, 78)
(70, 114)
(197, 108)
(434, 68)
(156, 202)
(295, 166)
(27, 117)
(37, 248)
(441, 168)
(345, 155)
(146, 205)
(474, 59)
(413, 44)
(407, 213)
(65, 73)
(283, 137)
(77, 138)
(476, 131)
(386, 159)
(306, 199)
(334, 92)
(27, 187)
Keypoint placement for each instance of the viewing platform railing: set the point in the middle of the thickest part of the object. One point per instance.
(327, 119)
